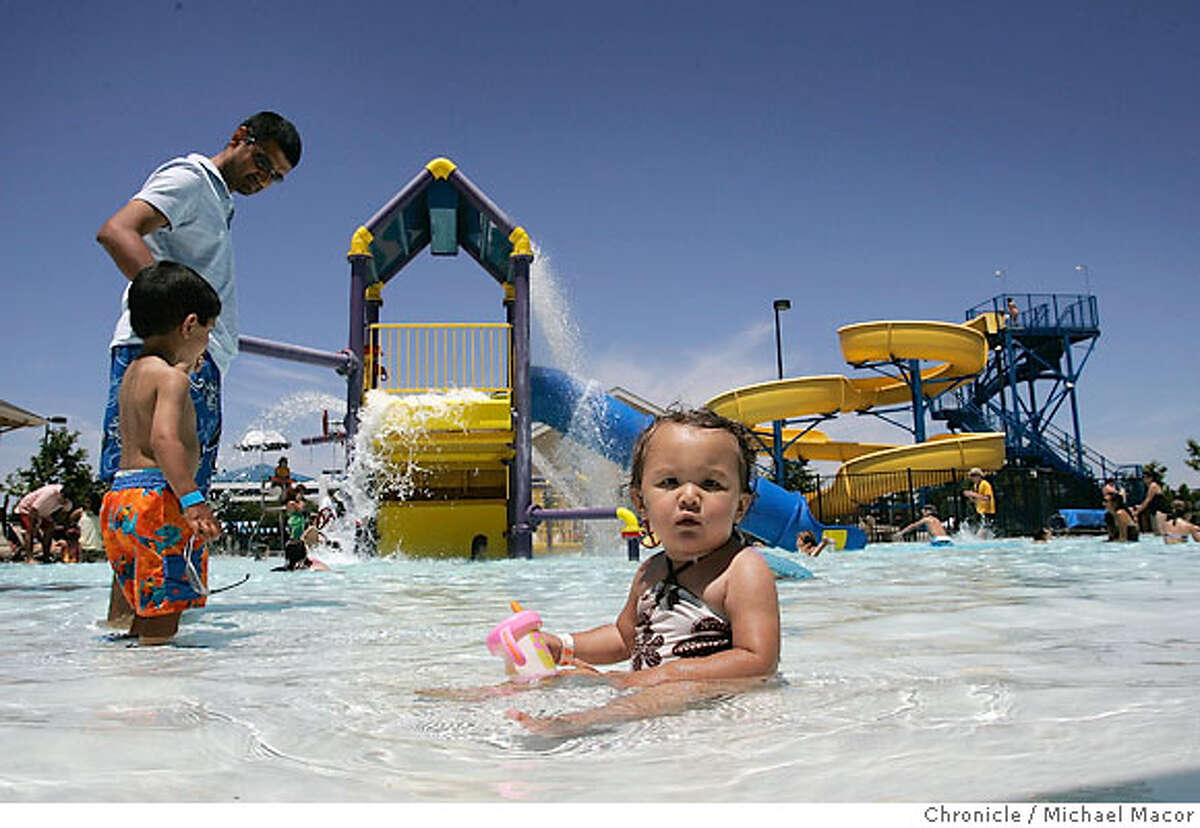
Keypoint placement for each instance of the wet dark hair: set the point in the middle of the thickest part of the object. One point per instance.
(697, 418)
(1117, 500)
(806, 538)
(271, 126)
(1179, 508)
(295, 552)
(1153, 475)
(166, 293)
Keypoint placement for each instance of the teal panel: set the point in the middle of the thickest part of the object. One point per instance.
(485, 241)
(404, 236)
(443, 218)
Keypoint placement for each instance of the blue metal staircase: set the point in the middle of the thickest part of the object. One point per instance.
(1034, 363)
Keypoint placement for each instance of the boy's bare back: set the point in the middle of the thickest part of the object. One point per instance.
(157, 415)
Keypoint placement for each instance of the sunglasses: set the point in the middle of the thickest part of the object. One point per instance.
(263, 162)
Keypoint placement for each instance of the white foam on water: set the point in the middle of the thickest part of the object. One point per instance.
(392, 428)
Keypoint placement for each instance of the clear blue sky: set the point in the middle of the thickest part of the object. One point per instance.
(683, 164)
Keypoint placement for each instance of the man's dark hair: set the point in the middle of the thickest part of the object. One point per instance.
(165, 293)
(271, 126)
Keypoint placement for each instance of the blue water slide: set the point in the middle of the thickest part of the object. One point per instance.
(610, 427)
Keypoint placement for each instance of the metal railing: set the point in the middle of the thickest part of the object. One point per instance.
(415, 357)
(1025, 498)
(1043, 312)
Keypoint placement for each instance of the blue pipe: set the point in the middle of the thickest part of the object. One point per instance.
(776, 516)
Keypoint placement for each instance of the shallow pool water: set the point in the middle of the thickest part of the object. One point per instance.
(1009, 670)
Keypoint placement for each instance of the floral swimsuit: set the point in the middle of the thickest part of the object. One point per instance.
(673, 623)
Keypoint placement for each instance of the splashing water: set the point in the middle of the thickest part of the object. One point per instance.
(552, 315)
(401, 423)
(554, 320)
(294, 406)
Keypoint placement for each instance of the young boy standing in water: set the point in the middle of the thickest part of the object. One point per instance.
(702, 616)
(155, 520)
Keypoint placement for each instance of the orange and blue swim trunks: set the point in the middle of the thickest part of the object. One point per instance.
(148, 544)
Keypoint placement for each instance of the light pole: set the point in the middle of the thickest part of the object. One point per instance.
(57, 420)
(777, 442)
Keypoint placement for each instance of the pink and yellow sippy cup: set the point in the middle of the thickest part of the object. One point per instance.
(518, 641)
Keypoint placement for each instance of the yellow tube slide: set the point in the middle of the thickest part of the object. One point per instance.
(958, 352)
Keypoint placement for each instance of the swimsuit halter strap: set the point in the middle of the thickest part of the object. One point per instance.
(672, 572)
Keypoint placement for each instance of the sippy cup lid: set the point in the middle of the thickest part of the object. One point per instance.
(518, 624)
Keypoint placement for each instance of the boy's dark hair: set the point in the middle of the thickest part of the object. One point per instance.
(271, 126)
(698, 418)
(164, 294)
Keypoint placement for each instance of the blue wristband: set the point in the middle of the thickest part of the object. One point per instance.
(191, 498)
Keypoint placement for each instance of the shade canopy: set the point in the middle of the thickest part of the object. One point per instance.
(262, 440)
(12, 417)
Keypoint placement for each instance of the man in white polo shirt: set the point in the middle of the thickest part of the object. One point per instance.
(184, 213)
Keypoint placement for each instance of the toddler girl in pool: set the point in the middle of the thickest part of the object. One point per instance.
(702, 616)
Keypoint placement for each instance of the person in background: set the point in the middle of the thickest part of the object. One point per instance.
(1177, 528)
(38, 511)
(1152, 511)
(282, 478)
(930, 522)
(1120, 521)
(297, 553)
(985, 501)
(91, 543)
(806, 542)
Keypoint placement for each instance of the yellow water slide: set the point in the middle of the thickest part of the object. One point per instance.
(954, 353)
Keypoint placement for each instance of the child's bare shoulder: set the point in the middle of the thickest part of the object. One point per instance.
(749, 563)
(160, 375)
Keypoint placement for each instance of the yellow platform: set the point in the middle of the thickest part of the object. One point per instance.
(442, 529)
(446, 431)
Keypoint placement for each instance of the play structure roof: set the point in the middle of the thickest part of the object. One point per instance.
(443, 210)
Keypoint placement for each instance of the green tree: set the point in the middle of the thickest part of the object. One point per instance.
(1193, 458)
(59, 460)
(1159, 469)
(798, 477)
